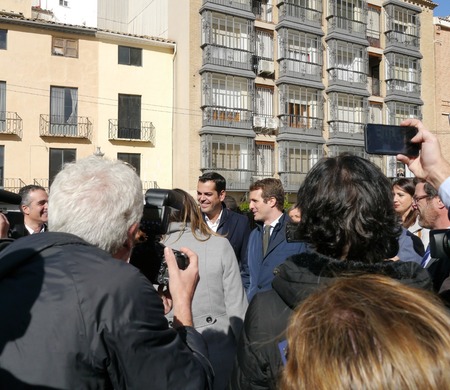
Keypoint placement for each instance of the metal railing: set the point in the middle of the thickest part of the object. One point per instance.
(12, 184)
(398, 37)
(227, 117)
(403, 87)
(43, 182)
(299, 13)
(144, 133)
(11, 123)
(301, 124)
(238, 4)
(300, 69)
(225, 56)
(56, 126)
(346, 129)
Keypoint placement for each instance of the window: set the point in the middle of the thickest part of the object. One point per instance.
(264, 101)
(3, 36)
(129, 118)
(348, 113)
(264, 44)
(265, 164)
(59, 157)
(347, 61)
(130, 56)
(402, 73)
(399, 111)
(301, 107)
(64, 3)
(65, 47)
(2, 106)
(63, 111)
(134, 159)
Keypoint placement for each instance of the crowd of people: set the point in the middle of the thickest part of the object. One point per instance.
(343, 290)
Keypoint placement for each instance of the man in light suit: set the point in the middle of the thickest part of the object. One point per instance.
(211, 192)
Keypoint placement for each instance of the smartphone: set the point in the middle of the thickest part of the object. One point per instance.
(390, 140)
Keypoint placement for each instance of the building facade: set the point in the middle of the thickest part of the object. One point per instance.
(70, 91)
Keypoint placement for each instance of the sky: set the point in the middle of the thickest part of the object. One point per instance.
(443, 9)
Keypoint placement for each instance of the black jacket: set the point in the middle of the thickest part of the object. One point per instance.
(258, 360)
(74, 317)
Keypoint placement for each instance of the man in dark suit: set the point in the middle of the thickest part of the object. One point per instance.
(211, 192)
(34, 207)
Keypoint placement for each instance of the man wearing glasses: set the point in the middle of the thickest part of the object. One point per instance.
(432, 215)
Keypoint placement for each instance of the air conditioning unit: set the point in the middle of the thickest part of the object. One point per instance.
(272, 123)
(259, 122)
(265, 67)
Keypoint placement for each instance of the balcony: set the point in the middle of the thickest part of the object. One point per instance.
(228, 57)
(237, 179)
(398, 38)
(292, 180)
(12, 184)
(301, 125)
(300, 13)
(402, 87)
(347, 77)
(144, 133)
(11, 123)
(345, 129)
(300, 69)
(244, 5)
(227, 117)
(43, 182)
(56, 126)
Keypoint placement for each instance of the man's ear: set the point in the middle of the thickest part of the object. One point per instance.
(272, 202)
(222, 195)
(25, 209)
(124, 252)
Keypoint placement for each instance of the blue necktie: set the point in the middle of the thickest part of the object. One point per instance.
(425, 256)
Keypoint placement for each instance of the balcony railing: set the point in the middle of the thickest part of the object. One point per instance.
(300, 69)
(347, 76)
(345, 129)
(227, 117)
(11, 123)
(55, 126)
(12, 184)
(225, 56)
(43, 182)
(238, 4)
(301, 124)
(300, 13)
(350, 26)
(148, 184)
(144, 133)
(237, 179)
(292, 180)
(373, 36)
(403, 87)
(401, 38)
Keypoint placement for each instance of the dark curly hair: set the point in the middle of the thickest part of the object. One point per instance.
(347, 210)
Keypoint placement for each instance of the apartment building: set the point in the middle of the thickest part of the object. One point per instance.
(442, 57)
(283, 83)
(70, 91)
(264, 88)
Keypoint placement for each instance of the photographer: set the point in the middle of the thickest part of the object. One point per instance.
(75, 314)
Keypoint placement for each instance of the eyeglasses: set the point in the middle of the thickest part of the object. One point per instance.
(416, 199)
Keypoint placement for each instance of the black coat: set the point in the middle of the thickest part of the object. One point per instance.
(74, 317)
(258, 361)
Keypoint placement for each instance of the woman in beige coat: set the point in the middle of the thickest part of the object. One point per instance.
(219, 303)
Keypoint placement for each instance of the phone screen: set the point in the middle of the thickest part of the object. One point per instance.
(390, 140)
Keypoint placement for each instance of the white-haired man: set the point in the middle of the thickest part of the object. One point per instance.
(75, 314)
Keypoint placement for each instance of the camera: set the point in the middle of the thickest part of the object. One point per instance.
(439, 243)
(148, 254)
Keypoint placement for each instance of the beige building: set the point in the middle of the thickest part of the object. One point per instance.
(442, 74)
(68, 91)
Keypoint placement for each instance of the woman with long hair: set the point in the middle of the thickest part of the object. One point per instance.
(219, 303)
(403, 190)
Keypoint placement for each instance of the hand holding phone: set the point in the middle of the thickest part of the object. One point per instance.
(390, 140)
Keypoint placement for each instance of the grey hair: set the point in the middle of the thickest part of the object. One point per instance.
(97, 200)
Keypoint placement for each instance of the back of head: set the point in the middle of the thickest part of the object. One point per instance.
(218, 180)
(191, 214)
(368, 332)
(347, 210)
(97, 200)
(270, 187)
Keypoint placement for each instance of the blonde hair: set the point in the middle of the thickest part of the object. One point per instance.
(368, 332)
